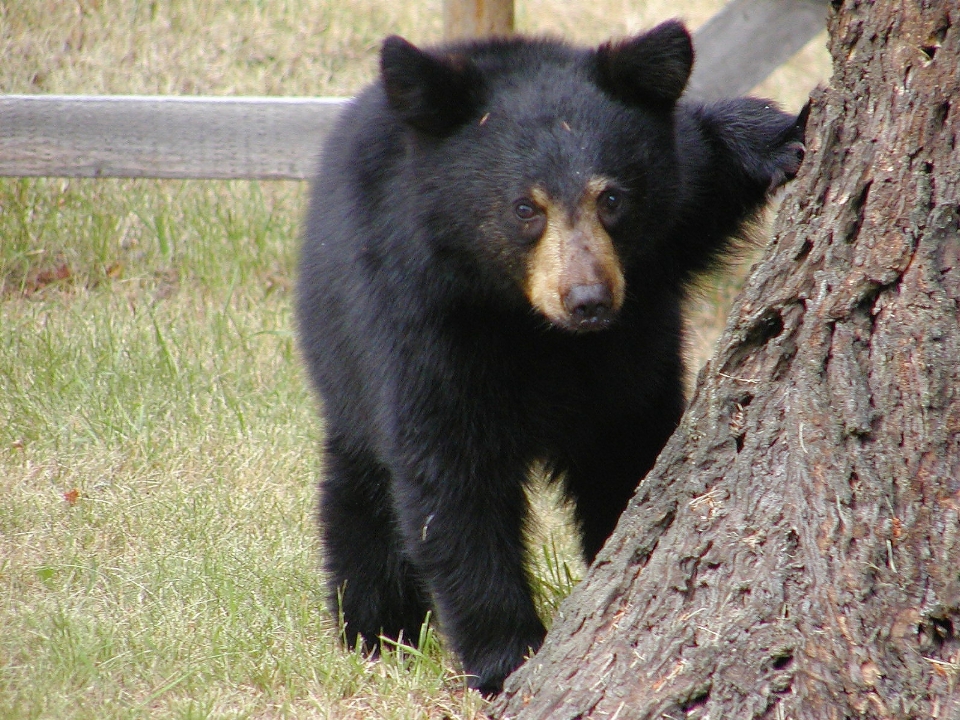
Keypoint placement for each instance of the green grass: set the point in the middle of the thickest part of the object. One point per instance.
(158, 548)
(158, 467)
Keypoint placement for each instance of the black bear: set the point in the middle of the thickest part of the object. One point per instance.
(491, 281)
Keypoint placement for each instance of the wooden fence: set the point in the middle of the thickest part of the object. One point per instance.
(278, 138)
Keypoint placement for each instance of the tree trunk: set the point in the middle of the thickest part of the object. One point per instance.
(795, 553)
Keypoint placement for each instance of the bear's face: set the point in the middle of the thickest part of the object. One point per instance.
(570, 208)
(573, 272)
(550, 173)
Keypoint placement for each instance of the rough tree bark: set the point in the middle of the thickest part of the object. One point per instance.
(795, 553)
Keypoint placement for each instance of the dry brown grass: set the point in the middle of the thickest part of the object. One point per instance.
(241, 47)
(283, 47)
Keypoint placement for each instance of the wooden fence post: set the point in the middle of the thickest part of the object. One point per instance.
(477, 18)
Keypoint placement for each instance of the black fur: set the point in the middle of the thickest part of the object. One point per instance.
(440, 385)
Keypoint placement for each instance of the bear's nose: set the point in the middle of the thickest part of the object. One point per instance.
(590, 306)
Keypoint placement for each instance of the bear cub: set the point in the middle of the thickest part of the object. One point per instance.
(491, 279)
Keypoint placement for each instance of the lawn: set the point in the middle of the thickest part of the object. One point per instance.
(158, 552)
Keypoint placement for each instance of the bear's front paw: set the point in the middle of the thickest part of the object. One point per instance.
(786, 160)
(785, 164)
(759, 140)
(486, 674)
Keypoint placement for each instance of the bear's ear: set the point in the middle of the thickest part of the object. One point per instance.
(432, 92)
(652, 68)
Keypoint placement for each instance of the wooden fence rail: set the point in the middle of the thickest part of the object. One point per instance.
(278, 138)
(163, 137)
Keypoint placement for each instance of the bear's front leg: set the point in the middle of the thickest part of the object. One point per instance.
(462, 521)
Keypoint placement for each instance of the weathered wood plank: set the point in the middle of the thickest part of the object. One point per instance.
(163, 137)
(746, 41)
(477, 18)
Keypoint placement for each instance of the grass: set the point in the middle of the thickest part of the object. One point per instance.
(158, 463)
(158, 551)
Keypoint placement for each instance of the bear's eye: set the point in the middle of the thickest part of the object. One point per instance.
(610, 205)
(526, 210)
(532, 219)
(610, 201)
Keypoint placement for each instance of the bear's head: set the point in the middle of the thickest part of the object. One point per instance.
(548, 169)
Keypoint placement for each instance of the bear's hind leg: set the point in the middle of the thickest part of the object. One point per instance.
(369, 581)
